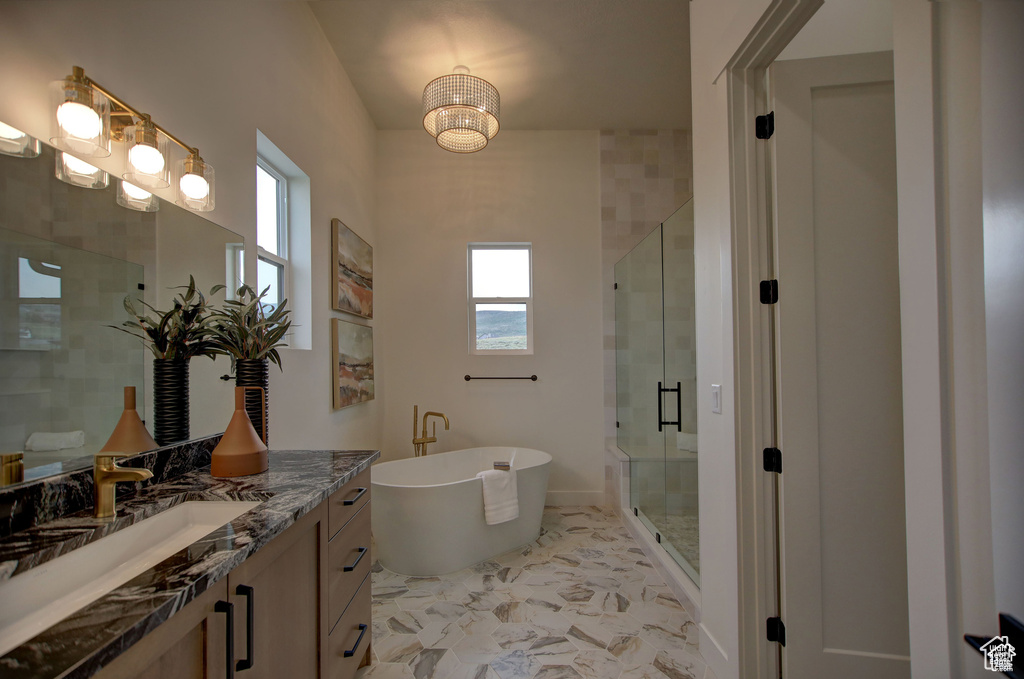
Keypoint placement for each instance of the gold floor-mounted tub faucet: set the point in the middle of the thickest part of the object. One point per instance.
(419, 444)
(105, 475)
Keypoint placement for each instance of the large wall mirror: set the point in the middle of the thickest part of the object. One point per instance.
(69, 256)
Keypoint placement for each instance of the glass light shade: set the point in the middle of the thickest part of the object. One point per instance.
(81, 120)
(146, 153)
(80, 173)
(134, 198)
(461, 111)
(195, 184)
(14, 142)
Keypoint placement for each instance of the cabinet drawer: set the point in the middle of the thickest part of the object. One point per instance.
(346, 502)
(352, 634)
(349, 549)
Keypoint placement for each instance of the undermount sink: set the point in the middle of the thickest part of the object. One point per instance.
(43, 596)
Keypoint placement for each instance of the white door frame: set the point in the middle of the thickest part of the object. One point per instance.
(936, 650)
(745, 75)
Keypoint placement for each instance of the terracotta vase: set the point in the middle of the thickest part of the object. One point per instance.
(130, 435)
(241, 451)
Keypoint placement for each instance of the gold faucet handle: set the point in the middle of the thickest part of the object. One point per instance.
(107, 460)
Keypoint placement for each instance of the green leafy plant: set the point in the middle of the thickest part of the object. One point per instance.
(179, 333)
(243, 328)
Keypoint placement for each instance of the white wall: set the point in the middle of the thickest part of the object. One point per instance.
(540, 187)
(1002, 63)
(847, 27)
(212, 73)
(717, 29)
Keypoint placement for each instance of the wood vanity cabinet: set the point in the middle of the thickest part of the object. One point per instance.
(310, 595)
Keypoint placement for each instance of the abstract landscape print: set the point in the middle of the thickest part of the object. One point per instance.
(352, 363)
(353, 271)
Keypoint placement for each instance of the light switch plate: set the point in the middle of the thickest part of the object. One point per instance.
(716, 398)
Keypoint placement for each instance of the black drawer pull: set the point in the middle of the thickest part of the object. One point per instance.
(229, 634)
(362, 492)
(362, 631)
(250, 606)
(362, 553)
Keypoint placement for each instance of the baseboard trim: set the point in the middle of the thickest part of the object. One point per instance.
(713, 654)
(575, 498)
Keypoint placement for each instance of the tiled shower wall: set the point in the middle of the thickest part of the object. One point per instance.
(645, 176)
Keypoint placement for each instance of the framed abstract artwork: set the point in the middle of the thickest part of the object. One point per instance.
(352, 271)
(352, 362)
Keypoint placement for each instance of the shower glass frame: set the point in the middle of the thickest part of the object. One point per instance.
(655, 352)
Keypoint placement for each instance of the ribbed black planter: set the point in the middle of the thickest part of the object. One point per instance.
(252, 372)
(170, 401)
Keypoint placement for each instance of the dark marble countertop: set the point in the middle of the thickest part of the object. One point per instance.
(85, 641)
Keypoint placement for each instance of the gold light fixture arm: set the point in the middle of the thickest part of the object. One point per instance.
(78, 75)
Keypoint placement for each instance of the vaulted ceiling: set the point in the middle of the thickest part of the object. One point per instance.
(558, 64)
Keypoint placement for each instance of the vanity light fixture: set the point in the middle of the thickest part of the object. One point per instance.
(195, 183)
(81, 123)
(14, 142)
(87, 117)
(146, 152)
(77, 172)
(461, 111)
(132, 197)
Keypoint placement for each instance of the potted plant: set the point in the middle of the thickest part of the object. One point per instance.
(250, 331)
(173, 336)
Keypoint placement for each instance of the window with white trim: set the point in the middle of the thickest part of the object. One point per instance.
(500, 298)
(271, 232)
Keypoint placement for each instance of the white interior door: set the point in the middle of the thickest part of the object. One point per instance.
(843, 537)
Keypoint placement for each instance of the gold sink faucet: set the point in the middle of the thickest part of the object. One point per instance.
(419, 443)
(13, 468)
(105, 475)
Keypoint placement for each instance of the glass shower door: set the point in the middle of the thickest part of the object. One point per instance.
(656, 371)
(640, 366)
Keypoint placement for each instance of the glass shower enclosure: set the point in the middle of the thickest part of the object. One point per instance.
(656, 384)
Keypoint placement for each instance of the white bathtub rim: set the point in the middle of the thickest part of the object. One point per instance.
(382, 484)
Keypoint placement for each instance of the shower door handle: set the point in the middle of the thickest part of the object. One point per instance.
(678, 389)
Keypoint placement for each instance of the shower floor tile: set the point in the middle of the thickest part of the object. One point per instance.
(580, 601)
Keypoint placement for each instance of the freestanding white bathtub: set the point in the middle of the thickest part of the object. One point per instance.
(428, 512)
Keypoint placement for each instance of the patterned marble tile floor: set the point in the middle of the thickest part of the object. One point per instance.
(582, 602)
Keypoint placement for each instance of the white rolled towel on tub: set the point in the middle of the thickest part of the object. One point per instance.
(501, 499)
(55, 440)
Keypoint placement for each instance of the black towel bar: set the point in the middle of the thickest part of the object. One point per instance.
(532, 378)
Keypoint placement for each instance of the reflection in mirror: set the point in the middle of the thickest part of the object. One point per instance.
(68, 257)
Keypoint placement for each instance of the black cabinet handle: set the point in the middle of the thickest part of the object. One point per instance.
(229, 634)
(352, 652)
(362, 492)
(362, 553)
(250, 612)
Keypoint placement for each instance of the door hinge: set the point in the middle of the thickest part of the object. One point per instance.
(636, 512)
(773, 460)
(616, 424)
(764, 126)
(657, 536)
(616, 286)
(769, 291)
(776, 630)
